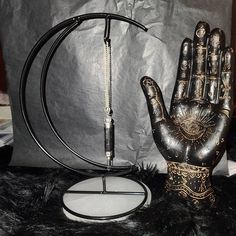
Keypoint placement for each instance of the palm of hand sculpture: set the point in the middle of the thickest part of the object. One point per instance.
(192, 136)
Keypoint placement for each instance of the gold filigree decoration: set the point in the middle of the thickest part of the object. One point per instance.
(199, 77)
(181, 89)
(227, 65)
(226, 84)
(201, 32)
(184, 65)
(198, 84)
(190, 181)
(200, 58)
(198, 89)
(213, 83)
(192, 129)
(201, 50)
(226, 90)
(214, 57)
(215, 40)
(194, 125)
(214, 65)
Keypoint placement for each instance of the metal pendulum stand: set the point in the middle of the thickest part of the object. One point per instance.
(106, 196)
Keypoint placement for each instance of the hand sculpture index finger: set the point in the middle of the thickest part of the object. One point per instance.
(184, 71)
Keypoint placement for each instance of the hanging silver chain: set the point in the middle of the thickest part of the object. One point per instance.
(108, 78)
(108, 121)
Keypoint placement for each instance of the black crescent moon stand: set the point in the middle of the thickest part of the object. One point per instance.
(106, 196)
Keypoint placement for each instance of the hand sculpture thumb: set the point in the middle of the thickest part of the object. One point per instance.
(162, 125)
(155, 101)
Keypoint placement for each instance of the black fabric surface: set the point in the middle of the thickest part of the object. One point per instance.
(30, 205)
(5, 155)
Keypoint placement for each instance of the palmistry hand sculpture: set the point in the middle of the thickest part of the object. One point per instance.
(192, 136)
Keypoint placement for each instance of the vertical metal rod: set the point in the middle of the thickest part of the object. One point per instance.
(104, 184)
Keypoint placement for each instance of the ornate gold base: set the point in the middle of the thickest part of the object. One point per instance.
(191, 182)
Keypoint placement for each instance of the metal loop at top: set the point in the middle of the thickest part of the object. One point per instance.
(110, 16)
(107, 30)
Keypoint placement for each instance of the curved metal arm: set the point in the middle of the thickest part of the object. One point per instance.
(71, 24)
(111, 16)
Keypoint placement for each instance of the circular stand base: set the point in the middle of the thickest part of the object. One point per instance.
(103, 199)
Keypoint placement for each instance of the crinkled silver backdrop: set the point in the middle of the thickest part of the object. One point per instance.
(75, 84)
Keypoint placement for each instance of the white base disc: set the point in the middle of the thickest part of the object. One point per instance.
(121, 198)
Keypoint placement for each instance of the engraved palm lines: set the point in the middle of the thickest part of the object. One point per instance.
(195, 125)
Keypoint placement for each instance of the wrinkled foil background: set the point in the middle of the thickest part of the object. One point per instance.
(75, 83)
